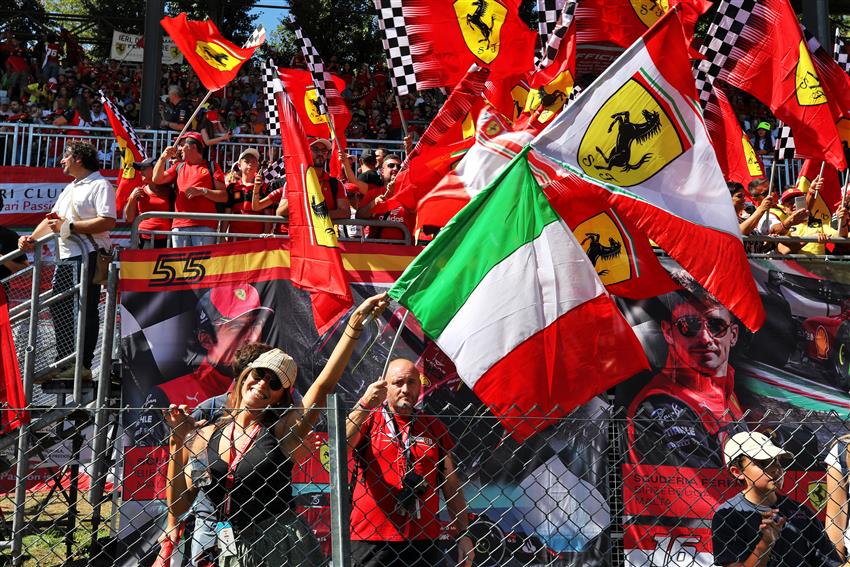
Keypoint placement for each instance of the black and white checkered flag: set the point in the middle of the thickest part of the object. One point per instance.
(321, 78)
(131, 132)
(396, 45)
(548, 16)
(723, 33)
(785, 148)
(274, 170)
(256, 39)
(272, 85)
(557, 34)
(839, 51)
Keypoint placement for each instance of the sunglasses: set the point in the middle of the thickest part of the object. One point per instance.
(275, 385)
(691, 326)
(392, 165)
(759, 195)
(767, 464)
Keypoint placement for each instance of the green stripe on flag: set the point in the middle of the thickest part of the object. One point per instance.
(508, 214)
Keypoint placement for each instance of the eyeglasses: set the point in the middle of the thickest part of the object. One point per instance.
(691, 326)
(392, 165)
(275, 385)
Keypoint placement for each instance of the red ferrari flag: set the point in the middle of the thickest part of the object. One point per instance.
(315, 261)
(131, 151)
(770, 60)
(215, 60)
(305, 98)
(447, 36)
(736, 156)
(621, 22)
(829, 196)
(442, 145)
(11, 388)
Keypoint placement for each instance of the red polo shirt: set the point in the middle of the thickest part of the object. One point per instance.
(373, 516)
(197, 175)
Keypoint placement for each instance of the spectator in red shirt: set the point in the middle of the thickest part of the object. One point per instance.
(149, 197)
(373, 196)
(200, 185)
(50, 65)
(403, 458)
(241, 192)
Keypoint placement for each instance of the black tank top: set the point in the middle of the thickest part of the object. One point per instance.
(263, 480)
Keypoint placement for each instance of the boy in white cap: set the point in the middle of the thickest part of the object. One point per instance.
(758, 527)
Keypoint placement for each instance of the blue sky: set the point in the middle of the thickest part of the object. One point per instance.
(269, 18)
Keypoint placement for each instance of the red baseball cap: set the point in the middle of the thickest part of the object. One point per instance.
(790, 194)
(196, 136)
(225, 303)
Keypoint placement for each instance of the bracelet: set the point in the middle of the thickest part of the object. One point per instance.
(364, 407)
(350, 336)
(355, 329)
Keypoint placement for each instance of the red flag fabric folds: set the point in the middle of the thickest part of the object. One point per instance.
(215, 60)
(621, 22)
(129, 178)
(315, 261)
(447, 36)
(12, 394)
(736, 156)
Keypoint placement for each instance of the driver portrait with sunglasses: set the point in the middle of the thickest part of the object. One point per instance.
(686, 411)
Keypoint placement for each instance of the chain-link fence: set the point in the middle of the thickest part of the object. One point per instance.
(442, 487)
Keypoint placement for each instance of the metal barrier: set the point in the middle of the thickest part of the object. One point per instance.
(136, 232)
(41, 145)
(572, 495)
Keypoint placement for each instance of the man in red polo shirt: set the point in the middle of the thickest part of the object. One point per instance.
(241, 192)
(200, 185)
(332, 189)
(402, 458)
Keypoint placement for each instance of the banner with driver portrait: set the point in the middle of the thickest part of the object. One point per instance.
(713, 379)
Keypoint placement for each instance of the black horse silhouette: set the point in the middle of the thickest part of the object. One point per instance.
(811, 81)
(475, 20)
(628, 132)
(517, 107)
(548, 99)
(597, 250)
(316, 106)
(219, 58)
(319, 209)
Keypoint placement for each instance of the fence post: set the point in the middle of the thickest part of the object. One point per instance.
(22, 469)
(82, 315)
(340, 501)
(100, 456)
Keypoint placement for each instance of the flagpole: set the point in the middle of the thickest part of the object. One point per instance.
(823, 163)
(194, 114)
(772, 173)
(843, 196)
(401, 114)
(395, 340)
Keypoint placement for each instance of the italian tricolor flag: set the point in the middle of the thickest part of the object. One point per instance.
(508, 294)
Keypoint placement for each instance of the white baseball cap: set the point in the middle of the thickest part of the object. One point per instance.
(250, 152)
(754, 445)
(278, 362)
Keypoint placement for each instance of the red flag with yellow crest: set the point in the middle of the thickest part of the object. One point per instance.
(304, 96)
(315, 261)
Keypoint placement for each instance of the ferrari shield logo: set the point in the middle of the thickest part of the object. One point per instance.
(317, 211)
(808, 88)
(818, 494)
(217, 55)
(632, 137)
(753, 163)
(519, 95)
(311, 105)
(481, 23)
(240, 294)
(650, 10)
(602, 241)
(127, 159)
(552, 96)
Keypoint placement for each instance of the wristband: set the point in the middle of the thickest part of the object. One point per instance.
(363, 406)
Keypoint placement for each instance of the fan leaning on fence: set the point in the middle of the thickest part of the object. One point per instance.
(251, 452)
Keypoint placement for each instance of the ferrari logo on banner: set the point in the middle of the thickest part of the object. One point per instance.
(217, 55)
(650, 10)
(602, 241)
(319, 217)
(632, 137)
(519, 95)
(818, 494)
(127, 159)
(481, 24)
(311, 105)
(753, 163)
(552, 96)
(809, 90)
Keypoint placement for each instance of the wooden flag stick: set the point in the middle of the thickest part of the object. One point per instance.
(395, 340)
(401, 114)
(194, 114)
(821, 176)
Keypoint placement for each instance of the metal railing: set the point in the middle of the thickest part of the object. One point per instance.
(41, 145)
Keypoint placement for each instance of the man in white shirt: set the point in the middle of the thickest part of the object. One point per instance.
(85, 209)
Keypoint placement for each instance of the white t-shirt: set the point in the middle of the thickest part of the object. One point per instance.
(832, 460)
(92, 197)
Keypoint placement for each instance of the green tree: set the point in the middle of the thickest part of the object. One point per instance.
(347, 29)
(232, 17)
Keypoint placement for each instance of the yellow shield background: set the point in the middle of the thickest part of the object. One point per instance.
(616, 267)
(323, 228)
(217, 55)
(753, 165)
(649, 11)
(311, 96)
(809, 91)
(563, 83)
(481, 31)
(647, 157)
(519, 94)
(818, 494)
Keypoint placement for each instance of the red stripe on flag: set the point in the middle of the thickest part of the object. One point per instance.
(583, 353)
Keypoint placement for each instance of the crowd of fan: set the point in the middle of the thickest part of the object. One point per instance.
(54, 82)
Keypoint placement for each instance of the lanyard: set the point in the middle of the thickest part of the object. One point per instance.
(398, 435)
(233, 462)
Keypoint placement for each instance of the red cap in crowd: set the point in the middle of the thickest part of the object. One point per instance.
(196, 137)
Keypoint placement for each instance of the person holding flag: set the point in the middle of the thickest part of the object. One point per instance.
(149, 197)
